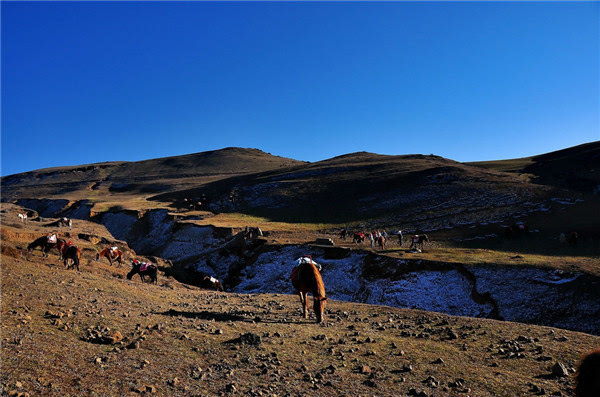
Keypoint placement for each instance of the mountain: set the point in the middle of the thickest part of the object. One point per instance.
(418, 192)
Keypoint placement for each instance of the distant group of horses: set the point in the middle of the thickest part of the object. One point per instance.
(379, 239)
(71, 255)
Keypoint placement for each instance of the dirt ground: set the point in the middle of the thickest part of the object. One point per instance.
(94, 332)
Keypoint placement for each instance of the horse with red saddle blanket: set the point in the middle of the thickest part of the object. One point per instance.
(70, 252)
(144, 269)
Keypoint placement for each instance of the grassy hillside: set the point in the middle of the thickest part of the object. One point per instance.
(112, 181)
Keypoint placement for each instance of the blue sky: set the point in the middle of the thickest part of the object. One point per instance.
(90, 82)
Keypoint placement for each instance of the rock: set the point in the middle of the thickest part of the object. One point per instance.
(438, 361)
(365, 369)
(173, 382)
(134, 345)
(18, 385)
(112, 338)
(247, 339)
(370, 383)
(559, 370)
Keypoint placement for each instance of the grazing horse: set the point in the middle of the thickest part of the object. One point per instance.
(515, 230)
(588, 375)
(71, 252)
(22, 217)
(66, 222)
(111, 254)
(381, 242)
(306, 278)
(46, 246)
(213, 283)
(358, 238)
(343, 234)
(418, 240)
(144, 269)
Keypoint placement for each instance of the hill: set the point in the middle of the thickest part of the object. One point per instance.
(576, 168)
(114, 181)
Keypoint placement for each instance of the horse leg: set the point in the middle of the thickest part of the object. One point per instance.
(303, 303)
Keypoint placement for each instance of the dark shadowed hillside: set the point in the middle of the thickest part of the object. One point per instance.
(362, 186)
(576, 168)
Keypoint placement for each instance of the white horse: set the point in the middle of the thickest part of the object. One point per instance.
(22, 217)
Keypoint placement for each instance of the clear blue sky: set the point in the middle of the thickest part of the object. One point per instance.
(90, 82)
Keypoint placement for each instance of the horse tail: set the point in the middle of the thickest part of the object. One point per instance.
(76, 258)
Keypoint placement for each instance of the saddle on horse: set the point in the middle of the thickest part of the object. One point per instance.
(308, 259)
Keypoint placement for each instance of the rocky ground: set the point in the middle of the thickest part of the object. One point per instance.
(94, 332)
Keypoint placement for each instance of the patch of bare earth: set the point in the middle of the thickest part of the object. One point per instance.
(94, 332)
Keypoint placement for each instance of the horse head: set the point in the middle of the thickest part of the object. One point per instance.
(134, 269)
(319, 307)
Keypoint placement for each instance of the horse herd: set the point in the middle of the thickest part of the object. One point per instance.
(380, 239)
(71, 255)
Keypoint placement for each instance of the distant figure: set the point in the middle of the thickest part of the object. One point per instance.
(372, 240)
(573, 237)
(562, 238)
(22, 217)
(343, 234)
(588, 376)
(400, 238)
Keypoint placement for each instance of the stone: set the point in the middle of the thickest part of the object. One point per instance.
(559, 370)
(365, 369)
(113, 337)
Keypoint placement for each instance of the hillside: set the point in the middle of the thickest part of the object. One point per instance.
(576, 168)
(362, 186)
(96, 333)
(114, 181)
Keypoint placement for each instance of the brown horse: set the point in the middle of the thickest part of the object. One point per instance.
(358, 238)
(381, 242)
(46, 246)
(116, 255)
(213, 283)
(71, 252)
(588, 375)
(418, 240)
(306, 278)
